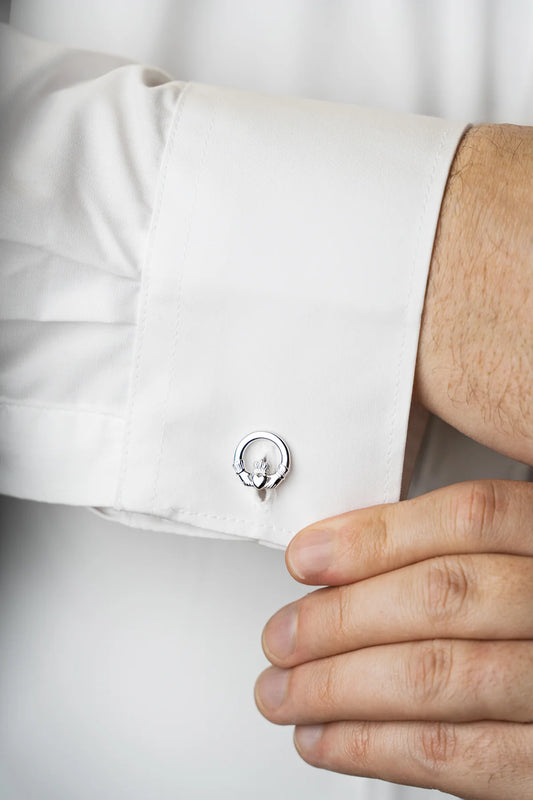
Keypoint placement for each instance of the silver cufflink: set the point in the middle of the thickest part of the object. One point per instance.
(260, 476)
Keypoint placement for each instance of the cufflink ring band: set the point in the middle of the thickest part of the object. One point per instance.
(260, 477)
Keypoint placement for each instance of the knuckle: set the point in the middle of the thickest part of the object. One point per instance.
(349, 546)
(370, 546)
(357, 743)
(343, 605)
(326, 682)
(430, 670)
(478, 506)
(447, 588)
(381, 535)
(433, 745)
(311, 612)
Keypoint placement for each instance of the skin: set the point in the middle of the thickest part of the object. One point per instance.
(475, 356)
(414, 663)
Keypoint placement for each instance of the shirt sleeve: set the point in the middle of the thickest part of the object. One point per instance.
(183, 265)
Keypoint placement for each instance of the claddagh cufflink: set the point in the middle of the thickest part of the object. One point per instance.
(260, 476)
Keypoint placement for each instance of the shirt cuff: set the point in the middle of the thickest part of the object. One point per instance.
(282, 291)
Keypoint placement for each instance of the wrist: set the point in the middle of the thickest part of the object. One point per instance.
(475, 358)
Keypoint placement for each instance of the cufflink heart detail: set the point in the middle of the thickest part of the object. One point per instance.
(260, 477)
(260, 473)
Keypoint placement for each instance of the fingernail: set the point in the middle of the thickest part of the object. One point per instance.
(279, 638)
(272, 685)
(307, 736)
(311, 553)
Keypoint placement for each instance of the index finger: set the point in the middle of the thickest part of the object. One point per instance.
(482, 516)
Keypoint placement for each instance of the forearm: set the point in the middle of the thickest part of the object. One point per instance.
(475, 358)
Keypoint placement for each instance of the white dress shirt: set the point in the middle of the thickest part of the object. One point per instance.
(185, 264)
(182, 264)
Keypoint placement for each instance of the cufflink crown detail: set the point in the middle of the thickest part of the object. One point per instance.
(261, 477)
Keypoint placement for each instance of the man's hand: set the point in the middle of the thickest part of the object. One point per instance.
(415, 664)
